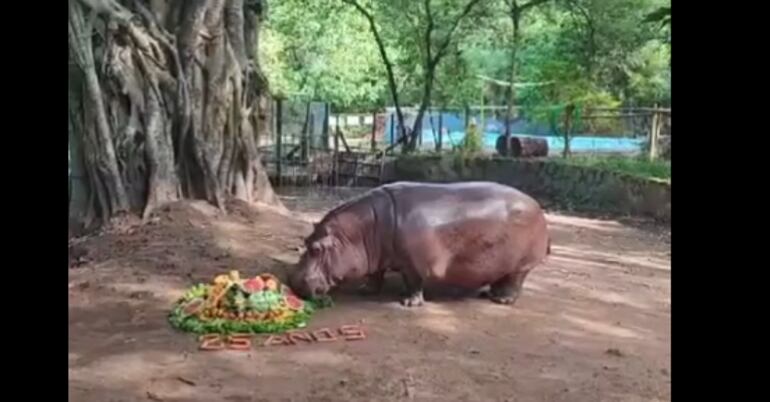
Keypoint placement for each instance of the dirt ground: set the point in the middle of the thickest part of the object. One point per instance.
(593, 324)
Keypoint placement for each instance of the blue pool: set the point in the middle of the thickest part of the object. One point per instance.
(579, 143)
(455, 124)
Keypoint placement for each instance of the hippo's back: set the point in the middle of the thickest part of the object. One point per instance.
(438, 204)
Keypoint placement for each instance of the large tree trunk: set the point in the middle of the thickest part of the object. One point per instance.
(170, 102)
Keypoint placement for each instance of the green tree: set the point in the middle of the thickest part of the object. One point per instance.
(425, 31)
(306, 56)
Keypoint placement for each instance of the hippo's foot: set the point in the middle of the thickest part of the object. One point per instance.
(510, 299)
(413, 300)
(507, 289)
(413, 287)
(504, 294)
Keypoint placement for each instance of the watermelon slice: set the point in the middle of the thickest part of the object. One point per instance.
(294, 302)
(253, 285)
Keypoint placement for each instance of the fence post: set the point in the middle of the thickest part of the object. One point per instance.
(278, 140)
(309, 153)
(567, 128)
(374, 131)
(392, 129)
(325, 129)
(355, 171)
(440, 131)
(418, 142)
(653, 138)
(336, 162)
(304, 140)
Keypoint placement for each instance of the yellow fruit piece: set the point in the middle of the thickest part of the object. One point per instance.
(222, 280)
(271, 284)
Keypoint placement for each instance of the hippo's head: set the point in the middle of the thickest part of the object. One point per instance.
(329, 258)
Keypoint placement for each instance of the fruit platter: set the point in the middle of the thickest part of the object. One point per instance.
(230, 304)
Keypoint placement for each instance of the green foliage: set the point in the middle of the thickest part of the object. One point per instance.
(591, 52)
(636, 166)
(662, 16)
(472, 142)
(188, 319)
(307, 56)
(222, 326)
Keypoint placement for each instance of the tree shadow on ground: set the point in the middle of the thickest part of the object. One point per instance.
(585, 328)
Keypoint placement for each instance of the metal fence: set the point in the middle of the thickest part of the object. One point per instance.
(618, 130)
(309, 143)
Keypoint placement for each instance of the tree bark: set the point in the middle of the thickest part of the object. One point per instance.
(174, 111)
(106, 163)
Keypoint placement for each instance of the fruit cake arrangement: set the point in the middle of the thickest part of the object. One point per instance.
(230, 304)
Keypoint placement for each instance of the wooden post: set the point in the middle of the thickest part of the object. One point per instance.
(305, 134)
(355, 170)
(325, 133)
(278, 141)
(419, 132)
(374, 131)
(344, 141)
(567, 128)
(336, 161)
(392, 129)
(654, 130)
(309, 149)
(440, 131)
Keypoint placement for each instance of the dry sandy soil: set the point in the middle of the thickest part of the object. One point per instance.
(594, 322)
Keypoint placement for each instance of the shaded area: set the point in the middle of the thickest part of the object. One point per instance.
(592, 324)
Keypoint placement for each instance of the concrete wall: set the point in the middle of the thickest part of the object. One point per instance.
(580, 188)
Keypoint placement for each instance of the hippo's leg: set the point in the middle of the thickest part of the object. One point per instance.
(508, 288)
(413, 285)
(373, 283)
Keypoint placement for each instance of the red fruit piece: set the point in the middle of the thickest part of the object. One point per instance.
(254, 285)
(294, 302)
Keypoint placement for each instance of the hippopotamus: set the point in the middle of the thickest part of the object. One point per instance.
(470, 235)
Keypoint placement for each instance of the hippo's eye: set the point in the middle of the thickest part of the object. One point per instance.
(315, 249)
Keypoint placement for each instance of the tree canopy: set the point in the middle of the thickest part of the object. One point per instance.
(597, 52)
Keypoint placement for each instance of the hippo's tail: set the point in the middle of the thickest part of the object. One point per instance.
(548, 248)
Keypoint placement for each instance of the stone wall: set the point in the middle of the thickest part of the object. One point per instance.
(579, 188)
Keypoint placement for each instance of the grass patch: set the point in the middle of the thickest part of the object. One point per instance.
(635, 166)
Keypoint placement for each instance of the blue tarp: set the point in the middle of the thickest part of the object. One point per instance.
(453, 124)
